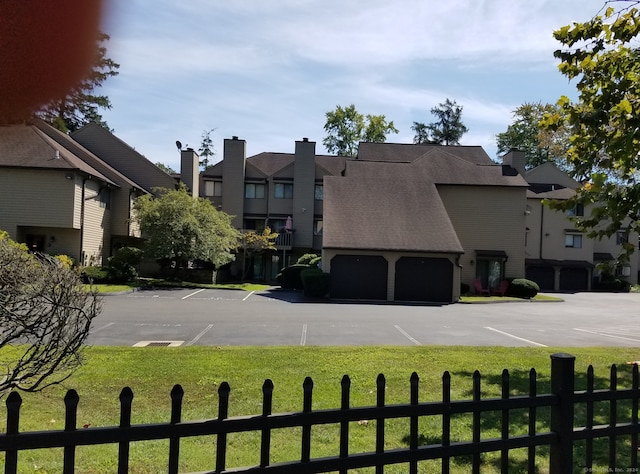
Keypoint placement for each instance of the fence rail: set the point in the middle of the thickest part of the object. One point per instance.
(560, 439)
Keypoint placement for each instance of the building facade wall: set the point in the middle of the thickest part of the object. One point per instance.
(487, 218)
(96, 226)
(233, 178)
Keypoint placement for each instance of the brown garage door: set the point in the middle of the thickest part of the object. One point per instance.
(359, 277)
(424, 279)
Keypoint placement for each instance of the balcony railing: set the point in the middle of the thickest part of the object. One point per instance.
(284, 240)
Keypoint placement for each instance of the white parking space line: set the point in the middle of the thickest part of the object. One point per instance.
(192, 294)
(93, 331)
(407, 335)
(303, 338)
(247, 297)
(515, 337)
(202, 333)
(598, 333)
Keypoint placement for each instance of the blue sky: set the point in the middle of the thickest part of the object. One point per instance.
(268, 71)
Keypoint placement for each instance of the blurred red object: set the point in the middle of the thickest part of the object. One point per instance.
(46, 47)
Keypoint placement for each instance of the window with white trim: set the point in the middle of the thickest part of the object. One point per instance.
(573, 241)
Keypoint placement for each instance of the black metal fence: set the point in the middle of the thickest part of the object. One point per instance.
(559, 441)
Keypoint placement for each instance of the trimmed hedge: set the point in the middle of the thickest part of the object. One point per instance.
(315, 282)
(289, 278)
(523, 288)
(95, 274)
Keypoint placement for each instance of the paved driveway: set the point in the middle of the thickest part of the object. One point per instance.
(183, 317)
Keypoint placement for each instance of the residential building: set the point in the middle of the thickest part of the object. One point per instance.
(59, 198)
(413, 222)
(282, 191)
(558, 256)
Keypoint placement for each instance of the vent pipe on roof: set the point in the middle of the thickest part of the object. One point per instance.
(57, 154)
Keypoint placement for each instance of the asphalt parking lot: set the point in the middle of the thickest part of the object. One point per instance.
(185, 317)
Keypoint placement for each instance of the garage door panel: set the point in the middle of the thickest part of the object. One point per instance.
(424, 279)
(359, 277)
(542, 275)
(574, 279)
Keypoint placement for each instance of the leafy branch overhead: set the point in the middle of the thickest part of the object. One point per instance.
(601, 54)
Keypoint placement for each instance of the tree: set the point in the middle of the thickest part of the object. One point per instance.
(602, 55)
(446, 130)
(206, 151)
(526, 134)
(45, 316)
(81, 104)
(253, 243)
(179, 228)
(167, 169)
(346, 127)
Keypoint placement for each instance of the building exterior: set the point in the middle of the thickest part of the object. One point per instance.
(59, 198)
(558, 256)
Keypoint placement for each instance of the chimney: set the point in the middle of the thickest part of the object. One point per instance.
(234, 158)
(190, 171)
(516, 159)
(304, 174)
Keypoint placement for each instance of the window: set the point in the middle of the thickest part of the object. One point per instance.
(319, 192)
(254, 224)
(577, 211)
(283, 191)
(213, 188)
(104, 196)
(622, 237)
(254, 191)
(317, 227)
(573, 241)
(490, 272)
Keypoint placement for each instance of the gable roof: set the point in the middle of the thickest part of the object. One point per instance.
(393, 203)
(27, 146)
(122, 157)
(549, 173)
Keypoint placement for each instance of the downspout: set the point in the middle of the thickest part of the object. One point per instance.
(81, 254)
(541, 227)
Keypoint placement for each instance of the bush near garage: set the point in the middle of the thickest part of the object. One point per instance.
(523, 288)
(312, 259)
(315, 282)
(613, 285)
(123, 264)
(289, 277)
(94, 274)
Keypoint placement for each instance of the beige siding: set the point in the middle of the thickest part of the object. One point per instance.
(487, 218)
(41, 198)
(610, 245)
(97, 228)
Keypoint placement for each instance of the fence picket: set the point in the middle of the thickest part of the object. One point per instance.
(177, 395)
(381, 383)
(223, 413)
(126, 400)
(533, 392)
(446, 419)
(504, 424)
(71, 400)
(267, 404)
(413, 428)
(14, 401)
(307, 394)
(613, 417)
(344, 425)
(475, 465)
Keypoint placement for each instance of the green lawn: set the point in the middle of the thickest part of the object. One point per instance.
(109, 288)
(152, 372)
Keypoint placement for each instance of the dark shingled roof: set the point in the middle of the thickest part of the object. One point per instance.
(26, 146)
(392, 202)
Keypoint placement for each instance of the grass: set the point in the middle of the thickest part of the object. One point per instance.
(109, 288)
(152, 372)
(496, 299)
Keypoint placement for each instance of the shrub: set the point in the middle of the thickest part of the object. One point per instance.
(123, 264)
(94, 274)
(65, 260)
(289, 278)
(308, 258)
(315, 282)
(523, 288)
(614, 285)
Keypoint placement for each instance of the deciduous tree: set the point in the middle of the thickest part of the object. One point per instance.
(446, 130)
(602, 55)
(253, 243)
(539, 144)
(179, 228)
(346, 127)
(45, 316)
(82, 103)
